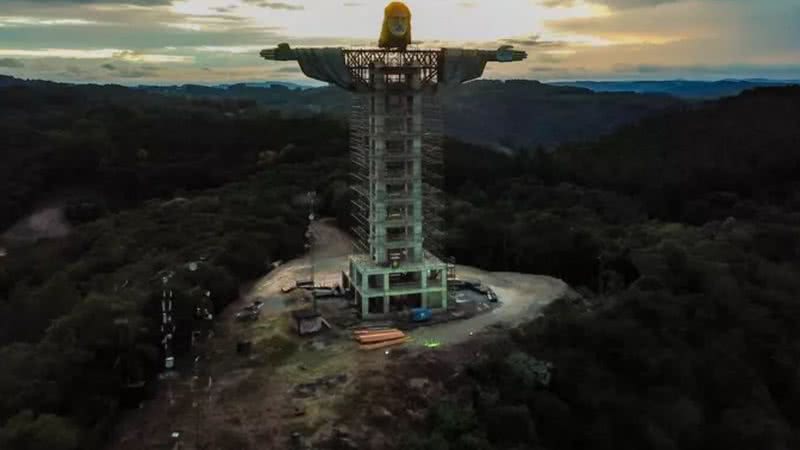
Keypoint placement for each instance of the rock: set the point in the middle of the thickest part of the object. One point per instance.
(296, 409)
(286, 149)
(305, 390)
(345, 443)
(341, 431)
(415, 415)
(381, 413)
(378, 440)
(333, 380)
(418, 383)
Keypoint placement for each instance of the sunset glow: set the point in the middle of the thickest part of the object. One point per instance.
(214, 40)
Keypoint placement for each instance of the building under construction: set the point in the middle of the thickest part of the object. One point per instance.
(396, 151)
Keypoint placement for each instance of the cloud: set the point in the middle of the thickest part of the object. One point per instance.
(711, 71)
(98, 2)
(129, 71)
(18, 21)
(218, 40)
(224, 9)
(11, 63)
(103, 53)
(275, 5)
(614, 4)
(531, 41)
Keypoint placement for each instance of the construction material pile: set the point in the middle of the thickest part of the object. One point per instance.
(372, 339)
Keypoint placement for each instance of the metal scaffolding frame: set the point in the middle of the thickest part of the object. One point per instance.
(364, 172)
(359, 62)
(360, 162)
(433, 174)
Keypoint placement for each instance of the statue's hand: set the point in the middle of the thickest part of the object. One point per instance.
(280, 53)
(506, 53)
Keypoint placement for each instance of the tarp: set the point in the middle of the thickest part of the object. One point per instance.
(325, 64)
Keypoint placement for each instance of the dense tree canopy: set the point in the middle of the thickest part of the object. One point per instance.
(681, 233)
(685, 227)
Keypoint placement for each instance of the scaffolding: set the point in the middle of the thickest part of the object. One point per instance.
(397, 177)
(433, 174)
(432, 166)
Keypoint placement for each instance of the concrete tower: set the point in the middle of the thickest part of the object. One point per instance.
(395, 272)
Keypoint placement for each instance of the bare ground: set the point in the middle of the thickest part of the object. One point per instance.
(323, 386)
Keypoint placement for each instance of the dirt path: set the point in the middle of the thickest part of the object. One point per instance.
(45, 223)
(522, 295)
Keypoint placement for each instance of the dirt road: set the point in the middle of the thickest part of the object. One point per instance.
(522, 296)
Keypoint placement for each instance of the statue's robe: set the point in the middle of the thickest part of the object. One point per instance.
(325, 64)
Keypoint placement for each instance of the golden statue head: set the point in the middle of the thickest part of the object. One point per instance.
(396, 31)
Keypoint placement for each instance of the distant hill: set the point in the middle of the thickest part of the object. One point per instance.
(127, 145)
(510, 114)
(743, 146)
(528, 114)
(678, 88)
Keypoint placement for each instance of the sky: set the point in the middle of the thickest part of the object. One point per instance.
(217, 41)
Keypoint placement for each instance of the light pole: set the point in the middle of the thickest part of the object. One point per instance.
(312, 197)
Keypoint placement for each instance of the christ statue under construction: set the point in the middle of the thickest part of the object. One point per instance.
(396, 151)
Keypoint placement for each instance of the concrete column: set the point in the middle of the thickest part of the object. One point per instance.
(364, 306)
(424, 276)
(444, 287)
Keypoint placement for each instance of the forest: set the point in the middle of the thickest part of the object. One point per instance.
(680, 232)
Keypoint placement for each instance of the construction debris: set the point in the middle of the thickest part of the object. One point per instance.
(374, 339)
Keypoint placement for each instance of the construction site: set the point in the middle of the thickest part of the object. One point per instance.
(261, 383)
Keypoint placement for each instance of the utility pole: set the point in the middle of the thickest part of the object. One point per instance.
(167, 321)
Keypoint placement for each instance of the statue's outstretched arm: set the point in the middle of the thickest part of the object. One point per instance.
(280, 53)
(505, 53)
(323, 64)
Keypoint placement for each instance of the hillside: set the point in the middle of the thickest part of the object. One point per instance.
(527, 114)
(693, 90)
(119, 146)
(512, 114)
(744, 146)
(684, 233)
(680, 233)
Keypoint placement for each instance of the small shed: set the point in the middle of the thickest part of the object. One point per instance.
(307, 321)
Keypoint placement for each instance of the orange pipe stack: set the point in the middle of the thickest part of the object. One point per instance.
(375, 339)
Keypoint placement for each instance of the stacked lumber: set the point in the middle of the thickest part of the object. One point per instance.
(379, 338)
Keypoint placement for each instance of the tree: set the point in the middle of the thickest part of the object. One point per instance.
(26, 431)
